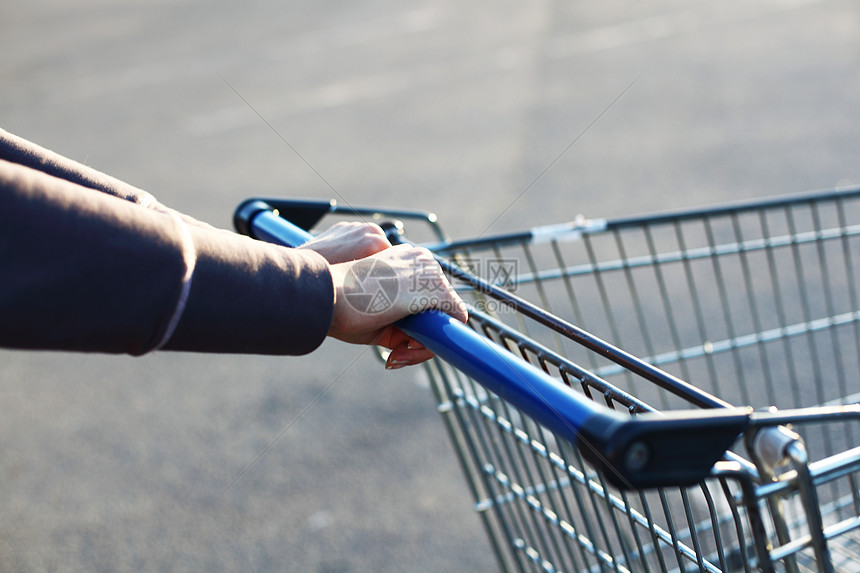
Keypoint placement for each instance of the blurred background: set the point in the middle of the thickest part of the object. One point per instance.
(495, 115)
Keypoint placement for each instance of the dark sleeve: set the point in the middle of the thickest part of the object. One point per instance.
(15, 149)
(84, 270)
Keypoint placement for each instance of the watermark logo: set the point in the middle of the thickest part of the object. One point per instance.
(503, 273)
(500, 272)
(427, 290)
(372, 286)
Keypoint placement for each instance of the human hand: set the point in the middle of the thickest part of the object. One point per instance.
(348, 241)
(373, 293)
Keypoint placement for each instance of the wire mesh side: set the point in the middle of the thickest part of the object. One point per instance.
(756, 305)
(545, 507)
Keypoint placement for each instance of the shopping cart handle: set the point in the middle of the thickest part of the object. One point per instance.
(643, 451)
(649, 450)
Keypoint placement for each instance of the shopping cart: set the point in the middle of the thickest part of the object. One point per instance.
(585, 457)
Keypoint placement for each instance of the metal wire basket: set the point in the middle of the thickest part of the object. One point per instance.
(754, 304)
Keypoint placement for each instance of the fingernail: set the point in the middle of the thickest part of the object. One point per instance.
(414, 345)
(395, 364)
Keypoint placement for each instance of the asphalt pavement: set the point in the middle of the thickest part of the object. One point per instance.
(495, 115)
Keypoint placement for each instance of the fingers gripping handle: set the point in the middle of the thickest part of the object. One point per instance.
(631, 452)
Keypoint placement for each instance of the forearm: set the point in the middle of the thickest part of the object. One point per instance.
(85, 271)
(248, 296)
(20, 151)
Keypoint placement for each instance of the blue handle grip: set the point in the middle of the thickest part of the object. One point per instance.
(529, 389)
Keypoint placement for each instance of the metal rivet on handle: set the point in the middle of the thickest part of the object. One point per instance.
(638, 456)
